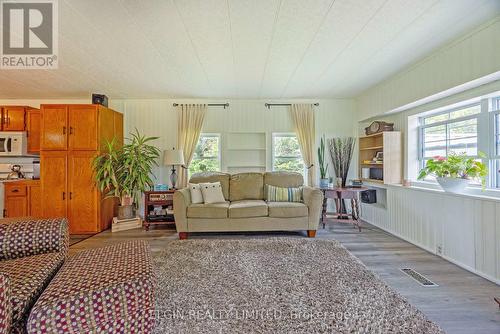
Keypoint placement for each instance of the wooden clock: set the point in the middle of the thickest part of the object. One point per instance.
(379, 126)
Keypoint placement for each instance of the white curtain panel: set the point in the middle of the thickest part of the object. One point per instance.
(303, 121)
(189, 125)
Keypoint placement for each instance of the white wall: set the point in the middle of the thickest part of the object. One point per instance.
(468, 58)
(158, 118)
(462, 229)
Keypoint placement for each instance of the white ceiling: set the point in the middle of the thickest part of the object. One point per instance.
(240, 48)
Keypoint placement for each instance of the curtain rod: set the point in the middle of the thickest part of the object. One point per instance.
(225, 105)
(269, 105)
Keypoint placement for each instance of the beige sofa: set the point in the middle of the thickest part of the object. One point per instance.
(246, 208)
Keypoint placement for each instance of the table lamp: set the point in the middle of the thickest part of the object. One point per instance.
(173, 158)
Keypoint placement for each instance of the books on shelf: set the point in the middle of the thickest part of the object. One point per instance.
(125, 224)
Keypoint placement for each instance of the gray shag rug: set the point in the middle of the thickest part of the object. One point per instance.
(277, 285)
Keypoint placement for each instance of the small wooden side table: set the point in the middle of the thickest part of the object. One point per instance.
(339, 194)
(158, 208)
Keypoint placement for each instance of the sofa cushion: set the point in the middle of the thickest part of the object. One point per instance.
(209, 177)
(246, 186)
(212, 193)
(284, 179)
(28, 277)
(278, 194)
(215, 210)
(287, 209)
(100, 290)
(248, 209)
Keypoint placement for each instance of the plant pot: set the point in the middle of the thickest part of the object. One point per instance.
(323, 183)
(452, 184)
(125, 212)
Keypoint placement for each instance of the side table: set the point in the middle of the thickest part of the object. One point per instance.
(158, 208)
(339, 194)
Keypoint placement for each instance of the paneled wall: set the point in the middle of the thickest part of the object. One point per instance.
(462, 229)
(159, 118)
(468, 58)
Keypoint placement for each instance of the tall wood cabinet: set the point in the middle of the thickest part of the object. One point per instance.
(71, 136)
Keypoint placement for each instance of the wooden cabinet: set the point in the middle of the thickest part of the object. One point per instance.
(66, 174)
(13, 118)
(83, 196)
(35, 200)
(33, 123)
(53, 170)
(79, 127)
(22, 199)
(54, 127)
(82, 127)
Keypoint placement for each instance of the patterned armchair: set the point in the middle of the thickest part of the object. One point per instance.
(31, 252)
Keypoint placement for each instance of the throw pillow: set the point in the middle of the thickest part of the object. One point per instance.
(278, 194)
(196, 195)
(212, 192)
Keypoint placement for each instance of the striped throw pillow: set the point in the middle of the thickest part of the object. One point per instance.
(278, 194)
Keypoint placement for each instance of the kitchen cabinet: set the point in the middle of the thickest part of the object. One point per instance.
(13, 118)
(79, 127)
(33, 123)
(54, 126)
(66, 173)
(22, 199)
(53, 169)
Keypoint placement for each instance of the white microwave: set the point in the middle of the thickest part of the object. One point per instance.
(13, 143)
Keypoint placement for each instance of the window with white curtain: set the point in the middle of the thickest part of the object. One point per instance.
(286, 153)
(207, 155)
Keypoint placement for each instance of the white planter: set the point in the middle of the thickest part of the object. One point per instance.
(452, 184)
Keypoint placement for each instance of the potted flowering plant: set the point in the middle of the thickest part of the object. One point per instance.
(455, 172)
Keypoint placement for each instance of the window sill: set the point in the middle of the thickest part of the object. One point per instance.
(474, 192)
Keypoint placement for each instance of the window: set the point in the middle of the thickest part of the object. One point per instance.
(206, 155)
(286, 154)
(469, 129)
(450, 132)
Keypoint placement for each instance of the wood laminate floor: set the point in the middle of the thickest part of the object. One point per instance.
(462, 303)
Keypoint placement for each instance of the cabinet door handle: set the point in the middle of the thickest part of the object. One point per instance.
(64, 195)
(70, 130)
(8, 118)
(15, 190)
(64, 130)
(5, 213)
(70, 195)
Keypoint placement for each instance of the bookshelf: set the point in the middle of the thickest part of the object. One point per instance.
(245, 152)
(387, 171)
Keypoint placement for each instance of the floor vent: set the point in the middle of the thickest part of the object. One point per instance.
(418, 277)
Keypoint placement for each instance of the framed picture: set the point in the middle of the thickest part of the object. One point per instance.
(379, 155)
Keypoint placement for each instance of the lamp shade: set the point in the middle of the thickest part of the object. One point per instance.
(173, 157)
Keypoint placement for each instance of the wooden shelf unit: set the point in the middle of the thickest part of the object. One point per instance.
(390, 144)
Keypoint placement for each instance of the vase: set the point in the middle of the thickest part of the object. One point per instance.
(125, 212)
(323, 183)
(453, 184)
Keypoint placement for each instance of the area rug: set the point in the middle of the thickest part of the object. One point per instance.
(277, 285)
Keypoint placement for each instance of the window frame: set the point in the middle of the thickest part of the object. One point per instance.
(273, 155)
(486, 137)
(219, 147)
(422, 126)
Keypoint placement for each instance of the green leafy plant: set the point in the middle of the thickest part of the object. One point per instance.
(125, 172)
(323, 165)
(456, 166)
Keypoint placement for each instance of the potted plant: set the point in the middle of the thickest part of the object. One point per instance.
(125, 172)
(455, 172)
(323, 165)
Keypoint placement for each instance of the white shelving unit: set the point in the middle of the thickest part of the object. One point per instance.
(245, 152)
